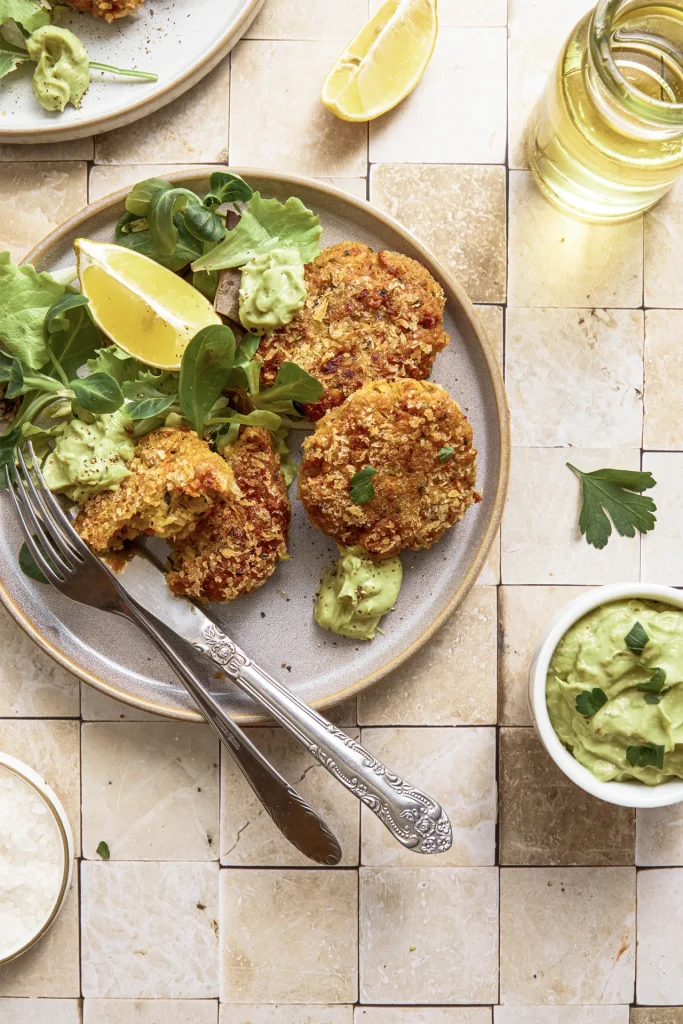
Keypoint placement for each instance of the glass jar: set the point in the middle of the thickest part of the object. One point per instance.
(605, 141)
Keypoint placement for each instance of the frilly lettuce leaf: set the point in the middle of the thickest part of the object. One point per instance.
(266, 224)
(25, 298)
(27, 13)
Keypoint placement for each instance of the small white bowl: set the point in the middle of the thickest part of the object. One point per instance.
(626, 794)
(55, 807)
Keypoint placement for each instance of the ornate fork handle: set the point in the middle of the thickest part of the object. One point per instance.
(416, 820)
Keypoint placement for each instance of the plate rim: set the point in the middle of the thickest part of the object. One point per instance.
(41, 250)
(142, 107)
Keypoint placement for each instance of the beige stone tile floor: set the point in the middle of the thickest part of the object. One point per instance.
(203, 915)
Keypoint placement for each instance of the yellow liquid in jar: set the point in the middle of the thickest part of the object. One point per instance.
(588, 164)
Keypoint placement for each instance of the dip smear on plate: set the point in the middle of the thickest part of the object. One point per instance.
(614, 691)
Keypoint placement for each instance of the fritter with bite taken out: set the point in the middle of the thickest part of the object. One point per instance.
(368, 316)
(238, 544)
(175, 478)
(419, 443)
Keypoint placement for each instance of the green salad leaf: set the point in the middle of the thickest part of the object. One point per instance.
(133, 233)
(265, 224)
(202, 223)
(612, 490)
(226, 187)
(292, 384)
(114, 361)
(25, 298)
(138, 201)
(15, 383)
(27, 563)
(8, 443)
(10, 57)
(27, 13)
(98, 393)
(164, 207)
(144, 399)
(204, 372)
(71, 334)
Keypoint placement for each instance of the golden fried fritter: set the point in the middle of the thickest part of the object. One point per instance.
(110, 10)
(238, 544)
(175, 478)
(368, 316)
(399, 428)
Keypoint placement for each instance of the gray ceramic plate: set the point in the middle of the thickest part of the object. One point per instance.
(180, 40)
(274, 624)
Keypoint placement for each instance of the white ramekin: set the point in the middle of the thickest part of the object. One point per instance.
(57, 810)
(626, 794)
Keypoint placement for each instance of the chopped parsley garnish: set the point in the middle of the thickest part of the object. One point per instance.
(362, 489)
(589, 702)
(649, 755)
(636, 639)
(445, 453)
(654, 688)
(612, 490)
(103, 850)
(655, 684)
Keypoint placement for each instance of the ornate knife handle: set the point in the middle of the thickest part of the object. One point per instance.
(413, 818)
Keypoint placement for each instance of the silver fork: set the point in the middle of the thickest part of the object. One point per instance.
(67, 562)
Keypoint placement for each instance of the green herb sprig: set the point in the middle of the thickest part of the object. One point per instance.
(589, 702)
(617, 492)
(361, 488)
(646, 755)
(637, 639)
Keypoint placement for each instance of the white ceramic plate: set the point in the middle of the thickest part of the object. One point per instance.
(180, 40)
(274, 624)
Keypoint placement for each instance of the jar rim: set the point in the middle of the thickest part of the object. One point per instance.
(658, 112)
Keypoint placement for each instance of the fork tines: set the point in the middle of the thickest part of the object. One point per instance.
(56, 548)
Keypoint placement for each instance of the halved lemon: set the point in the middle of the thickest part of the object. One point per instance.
(147, 310)
(384, 62)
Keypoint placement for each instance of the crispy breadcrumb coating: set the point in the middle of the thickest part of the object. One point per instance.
(368, 316)
(397, 427)
(110, 10)
(238, 544)
(175, 478)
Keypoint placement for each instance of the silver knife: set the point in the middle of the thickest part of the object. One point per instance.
(414, 819)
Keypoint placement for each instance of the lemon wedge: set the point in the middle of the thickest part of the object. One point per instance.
(147, 310)
(384, 62)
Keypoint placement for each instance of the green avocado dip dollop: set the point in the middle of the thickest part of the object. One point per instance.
(62, 74)
(356, 593)
(91, 457)
(272, 290)
(617, 737)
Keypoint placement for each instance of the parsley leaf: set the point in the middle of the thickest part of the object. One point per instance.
(636, 639)
(445, 453)
(649, 755)
(362, 489)
(589, 702)
(612, 490)
(655, 684)
(103, 850)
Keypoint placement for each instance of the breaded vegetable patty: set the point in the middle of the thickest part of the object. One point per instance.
(238, 544)
(368, 316)
(110, 10)
(175, 478)
(419, 443)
